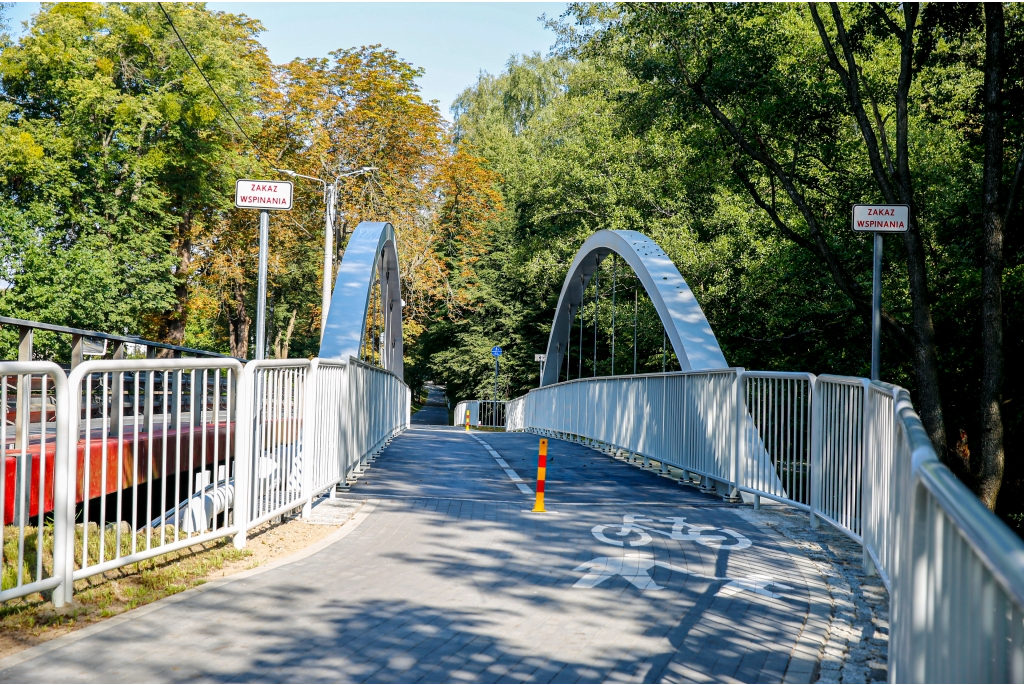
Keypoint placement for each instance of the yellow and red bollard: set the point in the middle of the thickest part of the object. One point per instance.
(542, 472)
(467, 420)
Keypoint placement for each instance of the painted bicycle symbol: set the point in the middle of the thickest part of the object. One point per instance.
(636, 531)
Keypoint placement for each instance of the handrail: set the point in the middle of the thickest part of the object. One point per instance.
(996, 545)
(656, 374)
(135, 340)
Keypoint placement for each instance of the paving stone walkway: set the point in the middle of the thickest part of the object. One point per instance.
(450, 578)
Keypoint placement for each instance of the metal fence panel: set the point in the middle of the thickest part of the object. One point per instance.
(775, 435)
(837, 452)
(276, 445)
(957, 578)
(33, 480)
(151, 464)
(515, 414)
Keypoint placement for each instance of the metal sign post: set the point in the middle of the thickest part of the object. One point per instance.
(541, 359)
(879, 219)
(261, 290)
(263, 195)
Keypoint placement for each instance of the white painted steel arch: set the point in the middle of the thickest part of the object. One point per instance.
(371, 252)
(688, 330)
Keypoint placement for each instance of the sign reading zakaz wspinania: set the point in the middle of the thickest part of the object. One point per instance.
(250, 194)
(881, 218)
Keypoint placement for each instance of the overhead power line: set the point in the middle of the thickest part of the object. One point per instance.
(259, 153)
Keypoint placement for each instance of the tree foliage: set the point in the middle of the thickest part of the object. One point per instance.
(628, 126)
(118, 165)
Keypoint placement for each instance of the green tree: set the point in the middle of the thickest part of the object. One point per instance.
(115, 155)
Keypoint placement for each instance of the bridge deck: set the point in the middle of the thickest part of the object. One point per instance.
(450, 578)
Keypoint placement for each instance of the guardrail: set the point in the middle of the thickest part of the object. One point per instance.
(155, 478)
(93, 343)
(850, 452)
(482, 413)
(126, 460)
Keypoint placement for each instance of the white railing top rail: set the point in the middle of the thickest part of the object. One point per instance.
(996, 545)
(628, 376)
(802, 375)
(173, 364)
(842, 380)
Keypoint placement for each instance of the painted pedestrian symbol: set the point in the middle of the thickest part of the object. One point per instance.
(636, 532)
(636, 568)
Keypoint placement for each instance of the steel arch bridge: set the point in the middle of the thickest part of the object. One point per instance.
(371, 259)
(686, 327)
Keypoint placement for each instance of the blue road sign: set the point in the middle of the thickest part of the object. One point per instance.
(496, 351)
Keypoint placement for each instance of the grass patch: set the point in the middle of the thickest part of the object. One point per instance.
(33, 618)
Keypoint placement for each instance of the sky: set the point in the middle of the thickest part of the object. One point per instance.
(452, 41)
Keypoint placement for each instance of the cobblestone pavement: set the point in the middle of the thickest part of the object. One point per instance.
(858, 638)
(451, 578)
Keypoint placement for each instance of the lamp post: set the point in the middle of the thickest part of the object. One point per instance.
(331, 202)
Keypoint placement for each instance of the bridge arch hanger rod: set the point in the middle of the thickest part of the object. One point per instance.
(686, 327)
(367, 288)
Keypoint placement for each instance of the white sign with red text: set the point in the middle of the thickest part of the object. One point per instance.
(881, 218)
(251, 194)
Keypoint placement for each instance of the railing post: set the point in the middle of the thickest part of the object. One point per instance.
(23, 398)
(869, 460)
(245, 410)
(309, 433)
(816, 446)
(63, 525)
(77, 350)
(73, 428)
(738, 439)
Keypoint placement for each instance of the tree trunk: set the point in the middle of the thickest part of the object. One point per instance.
(991, 476)
(239, 324)
(175, 333)
(284, 341)
(926, 358)
(926, 362)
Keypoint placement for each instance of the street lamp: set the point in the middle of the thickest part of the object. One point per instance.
(331, 202)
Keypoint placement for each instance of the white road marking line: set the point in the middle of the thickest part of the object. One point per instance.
(504, 465)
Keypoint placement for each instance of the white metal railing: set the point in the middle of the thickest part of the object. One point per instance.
(515, 414)
(151, 464)
(126, 460)
(775, 414)
(315, 422)
(485, 413)
(684, 420)
(33, 479)
(279, 389)
(957, 573)
(852, 453)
